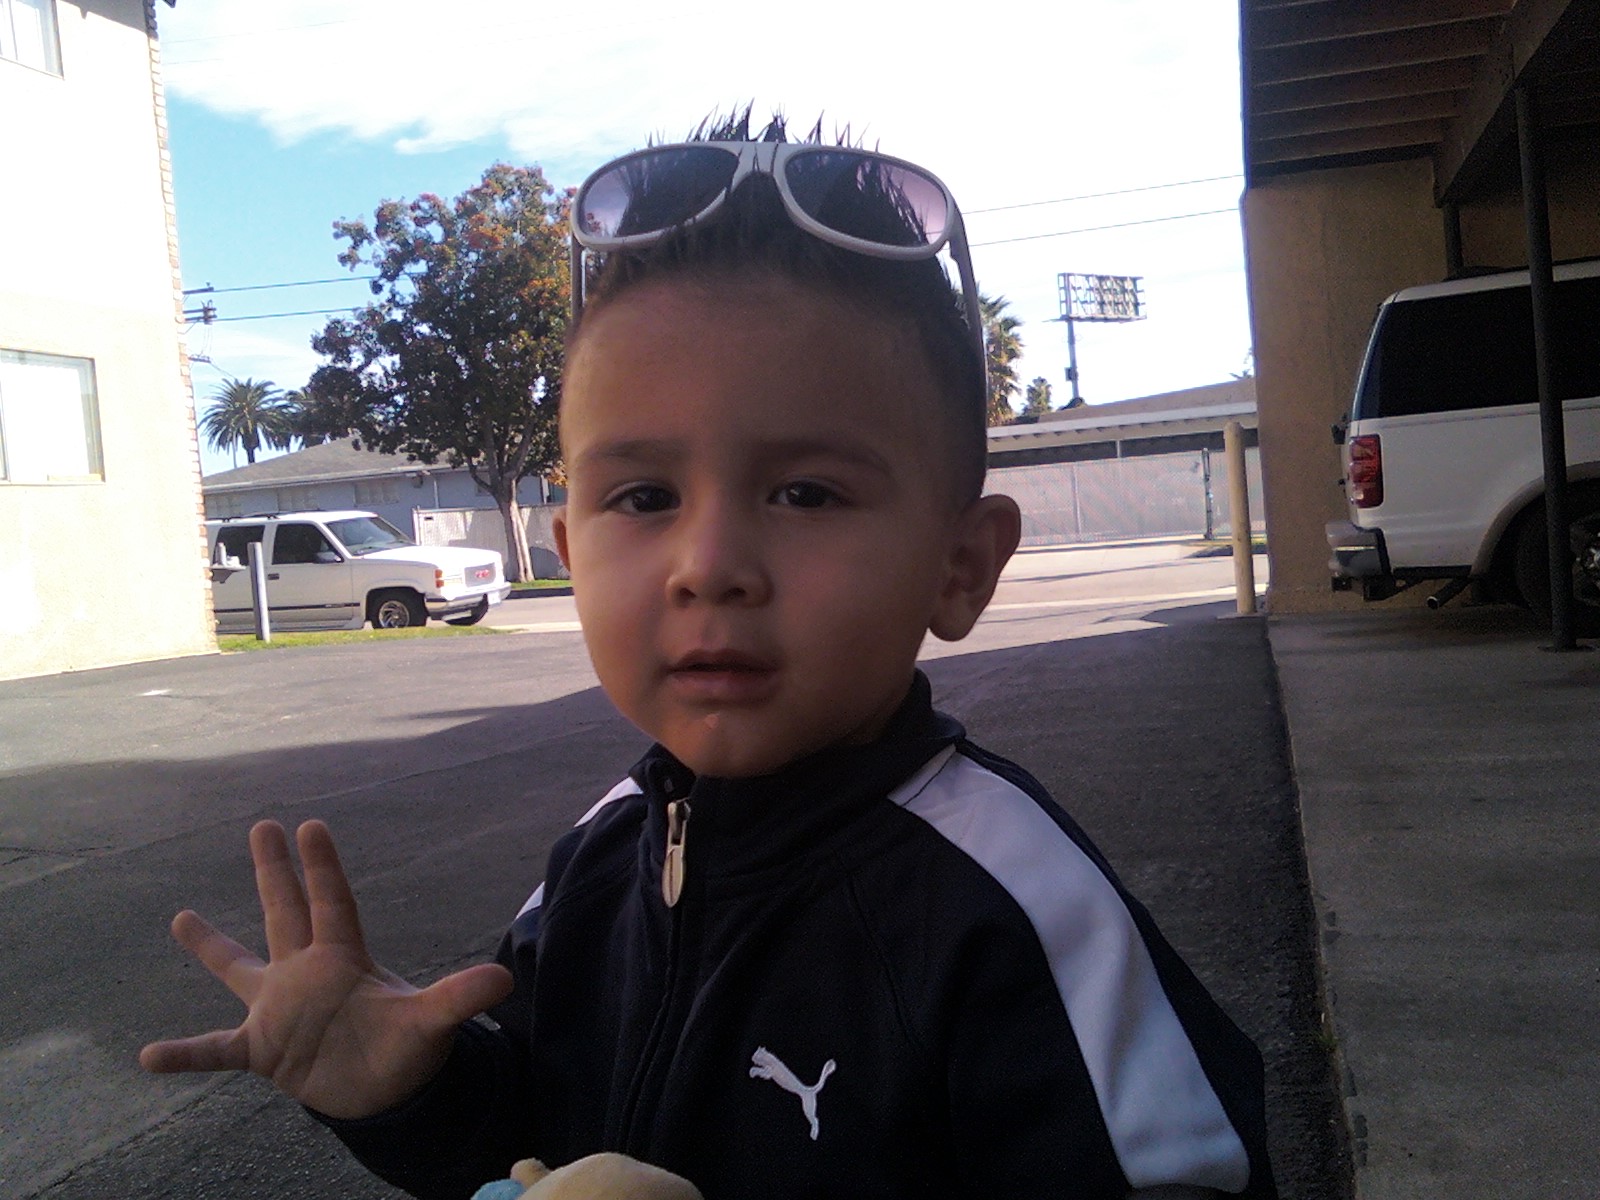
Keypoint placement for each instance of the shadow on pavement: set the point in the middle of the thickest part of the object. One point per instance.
(1167, 745)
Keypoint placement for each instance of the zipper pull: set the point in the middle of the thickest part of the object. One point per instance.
(672, 865)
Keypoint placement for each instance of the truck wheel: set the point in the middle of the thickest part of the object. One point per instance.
(1531, 562)
(397, 609)
(473, 617)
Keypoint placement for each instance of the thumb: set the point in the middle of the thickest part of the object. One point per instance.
(462, 996)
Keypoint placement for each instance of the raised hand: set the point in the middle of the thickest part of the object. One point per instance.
(326, 1024)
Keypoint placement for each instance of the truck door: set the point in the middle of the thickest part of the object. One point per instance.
(309, 582)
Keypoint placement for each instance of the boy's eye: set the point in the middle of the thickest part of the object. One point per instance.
(644, 498)
(805, 494)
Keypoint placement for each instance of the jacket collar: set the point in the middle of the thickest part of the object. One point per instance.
(741, 825)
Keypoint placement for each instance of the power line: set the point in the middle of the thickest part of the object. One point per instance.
(262, 287)
(1034, 237)
(1152, 187)
(309, 312)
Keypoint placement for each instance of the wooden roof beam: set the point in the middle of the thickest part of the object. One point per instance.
(1348, 56)
(1419, 134)
(1454, 75)
(1373, 114)
(1357, 18)
(1532, 38)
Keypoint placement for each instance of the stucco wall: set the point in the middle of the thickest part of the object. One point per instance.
(1493, 230)
(1323, 248)
(101, 572)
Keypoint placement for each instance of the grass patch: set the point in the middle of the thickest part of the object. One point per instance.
(539, 585)
(233, 643)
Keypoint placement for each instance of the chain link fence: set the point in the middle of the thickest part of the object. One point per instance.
(484, 527)
(1111, 499)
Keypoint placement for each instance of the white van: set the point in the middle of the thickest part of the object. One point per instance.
(1444, 471)
(340, 570)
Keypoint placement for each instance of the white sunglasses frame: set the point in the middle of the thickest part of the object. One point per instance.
(769, 158)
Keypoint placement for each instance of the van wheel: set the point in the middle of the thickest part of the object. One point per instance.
(1531, 562)
(478, 612)
(396, 610)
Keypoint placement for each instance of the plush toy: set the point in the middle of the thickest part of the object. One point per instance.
(598, 1177)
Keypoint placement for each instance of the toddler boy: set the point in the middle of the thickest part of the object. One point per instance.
(816, 944)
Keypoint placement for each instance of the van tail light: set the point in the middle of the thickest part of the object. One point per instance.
(438, 574)
(1365, 476)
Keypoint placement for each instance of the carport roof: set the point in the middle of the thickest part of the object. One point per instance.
(1341, 82)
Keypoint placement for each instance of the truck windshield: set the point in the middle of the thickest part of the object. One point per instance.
(363, 535)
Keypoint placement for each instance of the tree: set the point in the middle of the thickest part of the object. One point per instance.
(1002, 347)
(1037, 400)
(459, 356)
(247, 414)
(305, 419)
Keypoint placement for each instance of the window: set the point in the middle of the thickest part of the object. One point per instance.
(49, 419)
(301, 544)
(1475, 350)
(235, 540)
(370, 492)
(28, 34)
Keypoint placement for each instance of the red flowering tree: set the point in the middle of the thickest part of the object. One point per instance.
(459, 355)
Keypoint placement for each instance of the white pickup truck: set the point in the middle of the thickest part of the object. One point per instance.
(339, 570)
(1444, 471)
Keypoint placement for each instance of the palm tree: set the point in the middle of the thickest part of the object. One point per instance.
(303, 416)
(247, 414)
(1002, 347)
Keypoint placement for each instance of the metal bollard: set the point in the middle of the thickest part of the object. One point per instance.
(1244, 565)
(258, 591)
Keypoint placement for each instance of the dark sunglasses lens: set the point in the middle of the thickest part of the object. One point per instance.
(657, 190)
(864, 197)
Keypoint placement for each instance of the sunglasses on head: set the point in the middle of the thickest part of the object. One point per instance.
(858, 200)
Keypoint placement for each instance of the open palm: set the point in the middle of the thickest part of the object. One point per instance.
(326, 1024)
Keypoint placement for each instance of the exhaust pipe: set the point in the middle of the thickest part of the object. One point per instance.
(1448, 592)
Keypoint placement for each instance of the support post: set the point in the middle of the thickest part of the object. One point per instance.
(1244, 564)
(258, 590)
(1552, 420)
(1072, 361)
(1454, 256)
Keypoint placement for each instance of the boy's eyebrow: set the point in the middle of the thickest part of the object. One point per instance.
(773, 449)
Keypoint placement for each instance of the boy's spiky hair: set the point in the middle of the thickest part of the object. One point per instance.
(752, 235)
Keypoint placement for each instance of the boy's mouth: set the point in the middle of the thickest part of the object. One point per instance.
(721, 676)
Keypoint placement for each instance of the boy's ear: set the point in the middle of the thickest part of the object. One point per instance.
(986, 536)
(558, 530)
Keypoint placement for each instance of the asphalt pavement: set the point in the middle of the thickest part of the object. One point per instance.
(1428, 769)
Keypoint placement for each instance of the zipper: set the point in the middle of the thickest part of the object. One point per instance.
(672, 864)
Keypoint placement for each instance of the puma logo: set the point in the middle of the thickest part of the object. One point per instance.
(769, 1066)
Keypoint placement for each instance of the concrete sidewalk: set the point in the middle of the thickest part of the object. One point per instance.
(1445, 764)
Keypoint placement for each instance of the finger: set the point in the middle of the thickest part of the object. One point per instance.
(220, 1050)
(283, 900)
(239, 970)
(462, 996)
(334, 917)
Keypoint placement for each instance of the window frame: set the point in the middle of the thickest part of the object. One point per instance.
(89, 414)
(50, 28)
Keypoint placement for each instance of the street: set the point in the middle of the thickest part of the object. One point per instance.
(446, 767)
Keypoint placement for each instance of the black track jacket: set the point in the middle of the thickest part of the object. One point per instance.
(896, 970)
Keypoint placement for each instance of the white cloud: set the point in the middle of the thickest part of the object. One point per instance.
(1029, 101)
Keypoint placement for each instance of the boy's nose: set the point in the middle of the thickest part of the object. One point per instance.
(717, 560)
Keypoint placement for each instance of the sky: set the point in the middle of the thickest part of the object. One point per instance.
(1049, 120)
